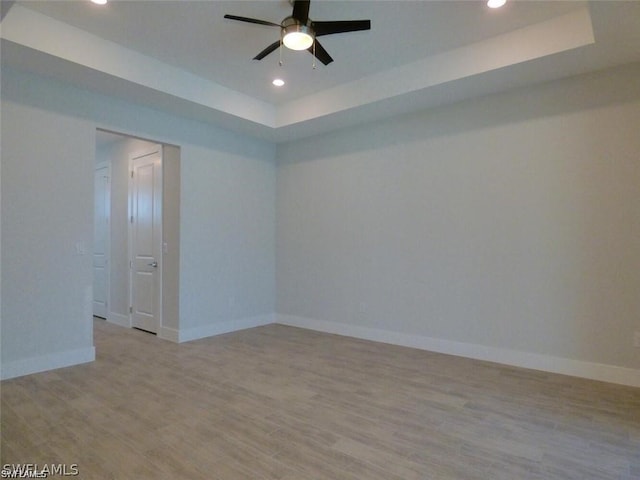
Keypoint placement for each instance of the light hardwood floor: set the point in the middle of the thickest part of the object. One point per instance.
(278, 402)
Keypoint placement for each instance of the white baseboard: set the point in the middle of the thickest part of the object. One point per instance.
(535, 361)
(119, 319)
(27, 366)
(170, 334)
(186, 335)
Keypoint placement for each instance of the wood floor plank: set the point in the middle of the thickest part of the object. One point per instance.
(283, 403)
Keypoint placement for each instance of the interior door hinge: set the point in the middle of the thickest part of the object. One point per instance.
(131, 219)
(130, 309)
(131, 173)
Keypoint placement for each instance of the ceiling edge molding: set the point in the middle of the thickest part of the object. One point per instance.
(57, 39)
(40, 44)
(560, 34)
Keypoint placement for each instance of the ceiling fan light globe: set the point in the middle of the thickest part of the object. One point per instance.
(496, 3)
(297, 40)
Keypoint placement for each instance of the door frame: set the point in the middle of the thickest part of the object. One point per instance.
(158, 148)
(107, 240)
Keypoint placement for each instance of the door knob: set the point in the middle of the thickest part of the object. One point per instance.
(154, 264)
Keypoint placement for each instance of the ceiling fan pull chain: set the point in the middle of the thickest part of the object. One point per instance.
(280, 62)
(314, 54)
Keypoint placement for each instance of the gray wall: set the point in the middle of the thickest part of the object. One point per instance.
(227, 217)
(510, 221)
(47, 211)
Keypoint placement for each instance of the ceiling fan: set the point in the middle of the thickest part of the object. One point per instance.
(299, 32)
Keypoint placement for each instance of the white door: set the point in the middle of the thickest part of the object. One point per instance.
(101, 241)
(146, 240)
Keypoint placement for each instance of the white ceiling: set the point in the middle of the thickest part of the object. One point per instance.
(183, 56)
(193, 35)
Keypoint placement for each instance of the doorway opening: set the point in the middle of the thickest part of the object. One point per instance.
(136, 233)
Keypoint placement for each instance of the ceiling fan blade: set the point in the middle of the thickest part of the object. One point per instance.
(320, 53)
(251, 20)
(301, 10)
(267, 50)
(341, 26)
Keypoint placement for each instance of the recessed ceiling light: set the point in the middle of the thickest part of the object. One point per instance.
(99, 2)
(278, 82)
(496, 3)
